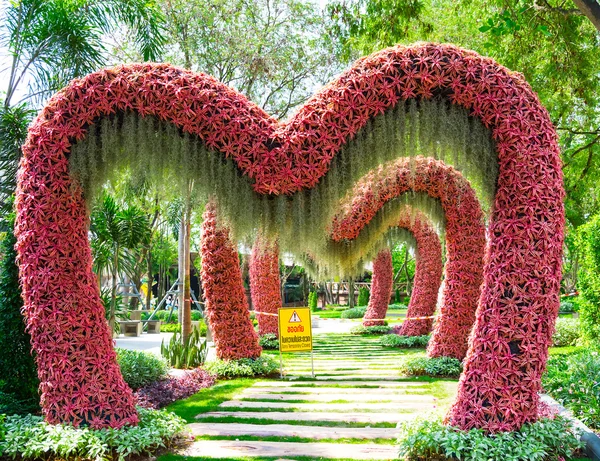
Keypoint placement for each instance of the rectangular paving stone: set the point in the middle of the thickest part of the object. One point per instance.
(408, 405)
(309, 417)
(291, 430)
(364, 397)
(333, 390)
(235, 449)
(341, 383)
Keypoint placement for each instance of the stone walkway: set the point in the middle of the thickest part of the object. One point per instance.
(349, 412)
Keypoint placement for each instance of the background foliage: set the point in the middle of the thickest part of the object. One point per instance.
(18, 372)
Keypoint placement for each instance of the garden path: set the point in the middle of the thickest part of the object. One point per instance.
(350, 411)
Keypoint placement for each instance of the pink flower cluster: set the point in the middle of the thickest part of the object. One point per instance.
(166, 391)
(227, 309)
(428, 276)
(264, 285)
(80, 381)
(465, 238)
(381, 289)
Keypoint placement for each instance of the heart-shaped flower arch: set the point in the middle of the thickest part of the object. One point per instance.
(80, 380)
(428, 277)
(465, 240)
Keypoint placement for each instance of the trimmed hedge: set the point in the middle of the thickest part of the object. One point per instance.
(354, 313)
(405, 342)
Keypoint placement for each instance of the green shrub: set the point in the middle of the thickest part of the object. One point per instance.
(573, 381)
(19, 382)
(269, 342)
(163, 316)
(567, 332)
(176, 328)
(545, 440)
(140, 368)
(170, 328)
(363, 296)
(190, 354)
(354, 313)
(2, 429)
(446, 367)
(372, 330)
(313, 298)
(588, 279)
(567, 307)
(29, 438)
(397, 306)
(243, 368)
(405, 342)
(11, 404)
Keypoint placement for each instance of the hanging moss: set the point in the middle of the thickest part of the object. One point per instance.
(166, 155)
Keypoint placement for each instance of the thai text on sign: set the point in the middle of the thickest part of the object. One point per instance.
(295, 332)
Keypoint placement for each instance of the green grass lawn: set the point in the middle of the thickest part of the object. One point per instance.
(328, 348)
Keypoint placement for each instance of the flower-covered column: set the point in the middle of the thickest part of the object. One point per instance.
(227, 308)
(381, 289)
(265, 285)
(428, 276)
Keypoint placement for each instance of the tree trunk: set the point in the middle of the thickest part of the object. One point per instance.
(591, 8)
(181, 265)
(408, 284)
(150, 280)
(186, 306)
(351, 293)
(113, 295)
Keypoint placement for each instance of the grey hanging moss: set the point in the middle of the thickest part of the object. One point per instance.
(161, 153)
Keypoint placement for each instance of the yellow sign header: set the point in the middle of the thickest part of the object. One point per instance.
(295, 332)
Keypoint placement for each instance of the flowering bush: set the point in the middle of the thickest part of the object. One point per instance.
(381, 289)
(519, 299)
(166, 391)
(465, 244)
(227, 308)
(265, 287)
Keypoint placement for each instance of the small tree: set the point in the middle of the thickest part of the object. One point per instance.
(115, 232)
(363, 296)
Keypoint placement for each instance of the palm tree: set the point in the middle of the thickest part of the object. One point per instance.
(116, 233)
(49, 43)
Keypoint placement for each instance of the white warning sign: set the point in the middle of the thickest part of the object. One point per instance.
(294, 318)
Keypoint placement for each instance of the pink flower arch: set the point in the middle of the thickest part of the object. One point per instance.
(265, 286)
(465, 239)
(227, 309)
(381, 289)
(80, 380)
(428, 277)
